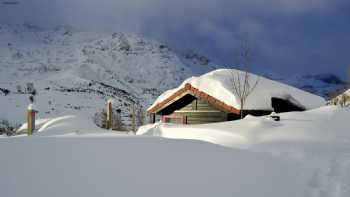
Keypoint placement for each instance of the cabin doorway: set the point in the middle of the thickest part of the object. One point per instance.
(282, 105)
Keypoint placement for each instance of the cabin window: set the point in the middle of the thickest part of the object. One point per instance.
(282, 105)
(176, 119)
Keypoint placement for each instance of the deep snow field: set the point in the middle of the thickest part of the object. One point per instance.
(306, 154)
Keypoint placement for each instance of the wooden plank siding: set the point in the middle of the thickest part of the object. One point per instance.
(200, 111)
(200, 117)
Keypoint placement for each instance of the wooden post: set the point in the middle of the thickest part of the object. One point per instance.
(30, 119)
(152, 118)
(109, 114)
(133, 117)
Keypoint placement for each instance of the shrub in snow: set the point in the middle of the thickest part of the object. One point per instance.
(100, 119)
(19, 89)
(137, 115)
(4, 91)
(30, 88)
(342, 100)
(7, 128)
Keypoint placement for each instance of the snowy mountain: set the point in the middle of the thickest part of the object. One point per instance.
(319, 84)
(76, 72)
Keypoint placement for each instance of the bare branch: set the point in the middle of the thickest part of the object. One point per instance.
(241, 82)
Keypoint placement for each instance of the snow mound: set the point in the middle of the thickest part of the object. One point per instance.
(305, 154)
(65, 125)
(218, 84)
(140, 166)
(38, 124)
(315, 142)
(325, 127)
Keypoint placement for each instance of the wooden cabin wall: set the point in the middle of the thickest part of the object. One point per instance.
(200, 112)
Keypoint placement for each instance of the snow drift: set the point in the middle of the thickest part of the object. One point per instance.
(139, 166)
(306, 154)
(325, 127)
(67, 125)
(316, 143)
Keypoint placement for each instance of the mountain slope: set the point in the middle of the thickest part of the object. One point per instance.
(76, 72)
(319, 84)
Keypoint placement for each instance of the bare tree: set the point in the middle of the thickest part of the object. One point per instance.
(333, 97)
(133, 117)
(342, 100)
(117, 123)
(241, 81)
(140, 116)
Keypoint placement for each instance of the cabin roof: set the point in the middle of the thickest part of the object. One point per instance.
(216, 87)
(189, 89)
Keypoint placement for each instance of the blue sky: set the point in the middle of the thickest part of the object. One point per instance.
(287, 36)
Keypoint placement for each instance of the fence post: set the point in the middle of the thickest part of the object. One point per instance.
(30, 119)
(109, 114)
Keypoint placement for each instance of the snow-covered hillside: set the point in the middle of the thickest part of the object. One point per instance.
(319, 84)
(76, 72)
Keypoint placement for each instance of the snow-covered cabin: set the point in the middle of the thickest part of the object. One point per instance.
(210, 98)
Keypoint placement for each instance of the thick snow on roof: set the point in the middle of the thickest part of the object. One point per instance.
(218, 84)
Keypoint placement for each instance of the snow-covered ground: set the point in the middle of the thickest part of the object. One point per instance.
(139, 166)
(316, 143)
(306, 154)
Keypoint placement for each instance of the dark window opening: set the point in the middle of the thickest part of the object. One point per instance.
(281, 105)
(179, 104)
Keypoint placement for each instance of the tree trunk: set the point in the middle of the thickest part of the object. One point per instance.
(241, 110)
(133, 118)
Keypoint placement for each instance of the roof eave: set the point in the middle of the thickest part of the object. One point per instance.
(189, 89)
